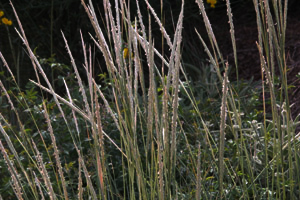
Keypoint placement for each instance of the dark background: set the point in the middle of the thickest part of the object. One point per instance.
(39, 16)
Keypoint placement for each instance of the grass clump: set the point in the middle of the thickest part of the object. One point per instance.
(149, 132)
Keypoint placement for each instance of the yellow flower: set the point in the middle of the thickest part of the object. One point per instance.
(212, 3)
(125, 53)
(1, 13)
(6, 21)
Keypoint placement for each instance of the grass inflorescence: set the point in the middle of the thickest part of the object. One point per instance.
(147, 131)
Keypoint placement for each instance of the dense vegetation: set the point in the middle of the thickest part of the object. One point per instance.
(148, 124)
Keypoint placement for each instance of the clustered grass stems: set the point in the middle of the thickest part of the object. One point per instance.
(272, 45)
(148, 124)
(16, 185)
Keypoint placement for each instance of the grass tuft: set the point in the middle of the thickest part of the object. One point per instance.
(147, 131)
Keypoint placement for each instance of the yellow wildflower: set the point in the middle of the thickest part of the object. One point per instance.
(6, 21)
(1, 13)
(212, 3)
(126, 54)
